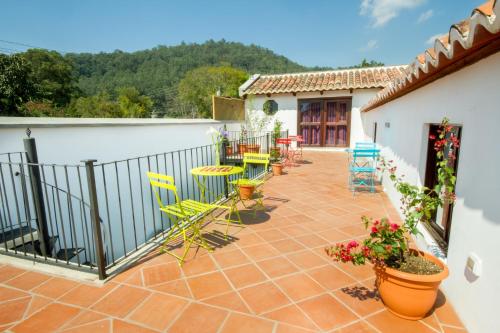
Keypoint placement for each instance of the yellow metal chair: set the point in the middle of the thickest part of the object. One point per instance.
(252, 159)
(187, 216)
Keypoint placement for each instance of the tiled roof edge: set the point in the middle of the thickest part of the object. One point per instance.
(334, 71)
(485, 16)
(247, 84)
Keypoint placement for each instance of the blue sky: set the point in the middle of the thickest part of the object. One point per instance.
(314, 32)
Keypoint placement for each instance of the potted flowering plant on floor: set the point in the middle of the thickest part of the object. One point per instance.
(407, 279)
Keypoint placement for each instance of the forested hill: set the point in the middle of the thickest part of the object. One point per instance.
(157, 72)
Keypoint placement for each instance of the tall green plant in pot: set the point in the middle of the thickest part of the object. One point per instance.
(275, 152)
(407, 279)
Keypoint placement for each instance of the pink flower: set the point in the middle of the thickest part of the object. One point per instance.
(394, 227)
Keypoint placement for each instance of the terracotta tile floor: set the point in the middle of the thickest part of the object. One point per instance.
(271, 276)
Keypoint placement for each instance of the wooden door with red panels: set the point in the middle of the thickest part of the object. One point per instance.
(325, 122)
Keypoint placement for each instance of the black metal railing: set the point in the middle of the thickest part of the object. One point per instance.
(99, 214)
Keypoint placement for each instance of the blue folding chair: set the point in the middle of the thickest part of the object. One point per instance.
(363, 169)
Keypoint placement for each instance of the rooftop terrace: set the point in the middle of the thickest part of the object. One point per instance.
(271, 276)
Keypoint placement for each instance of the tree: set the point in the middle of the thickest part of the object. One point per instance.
(132, 104)
(198, 86)
(97, 106)
(16, 84)
(364, 63)
(157, 72)
(129, 103)
(53, 75)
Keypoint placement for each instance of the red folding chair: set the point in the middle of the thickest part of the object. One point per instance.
(287, 153)
(298, 151)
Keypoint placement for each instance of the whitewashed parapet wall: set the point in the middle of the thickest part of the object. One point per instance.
(70, 140)
(469, 97)
(288, 104)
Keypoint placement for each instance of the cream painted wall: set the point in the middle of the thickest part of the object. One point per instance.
(471, 98)
(287, 108)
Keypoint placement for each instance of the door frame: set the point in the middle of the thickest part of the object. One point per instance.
(440, 234)
(324, 100)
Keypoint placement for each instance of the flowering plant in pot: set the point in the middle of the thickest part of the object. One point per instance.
(407, 279)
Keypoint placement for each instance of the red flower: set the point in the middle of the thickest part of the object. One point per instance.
(432, 137)
(352, 243)
(388, 248)
(374, 230)
(366, 251)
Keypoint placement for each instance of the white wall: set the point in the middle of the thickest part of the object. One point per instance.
(287, 108)
(70, 140)
(469, 97)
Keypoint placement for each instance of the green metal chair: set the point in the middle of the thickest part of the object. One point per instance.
(248, 160)
(187, 216)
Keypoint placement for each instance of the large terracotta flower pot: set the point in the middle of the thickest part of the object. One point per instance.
(246, 191)
(277, 169)
(242, 148)
(409, 296)
(253, 148)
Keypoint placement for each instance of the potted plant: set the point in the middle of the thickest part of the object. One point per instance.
(225, 140)
(253, 148)
(246, 189)
(407, 279)
(275, 136)
(277, 168)
(242, 145)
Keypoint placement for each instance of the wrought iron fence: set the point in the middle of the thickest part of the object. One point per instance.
(95, 215)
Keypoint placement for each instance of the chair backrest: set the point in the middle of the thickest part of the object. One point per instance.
(365, 145)
(364, 157)
(255, 158)
(159, 181)
(284, 141)
(365, 153)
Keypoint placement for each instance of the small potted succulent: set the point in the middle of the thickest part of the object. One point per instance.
(407, 279)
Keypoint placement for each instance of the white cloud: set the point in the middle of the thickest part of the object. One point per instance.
(425, 16)
(372, 44)
(382, 11)
(431, 39)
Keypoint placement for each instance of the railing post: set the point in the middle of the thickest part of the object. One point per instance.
(268, 142)
(95, 219)
(36, 183)
(224, 162)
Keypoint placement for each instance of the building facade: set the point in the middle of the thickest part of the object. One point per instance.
(323, 107)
